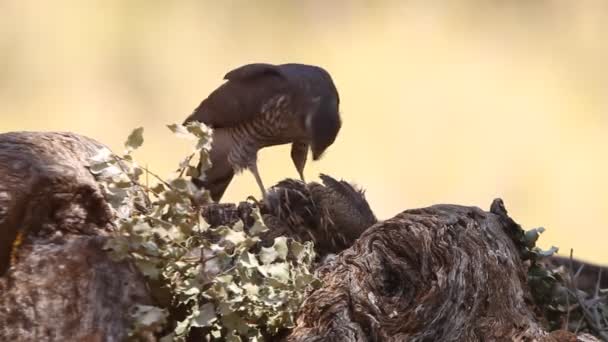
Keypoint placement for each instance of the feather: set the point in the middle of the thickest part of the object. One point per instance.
(250, 71)
(240, 99)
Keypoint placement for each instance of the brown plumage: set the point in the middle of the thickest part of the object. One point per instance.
(264, 105)
(332, 214)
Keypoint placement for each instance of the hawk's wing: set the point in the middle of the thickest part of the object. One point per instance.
(241, 98)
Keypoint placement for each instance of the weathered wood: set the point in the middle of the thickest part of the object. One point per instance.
(58, 283)
(67, 289)
(443, 273)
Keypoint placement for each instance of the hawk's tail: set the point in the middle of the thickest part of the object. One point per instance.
(215, 182)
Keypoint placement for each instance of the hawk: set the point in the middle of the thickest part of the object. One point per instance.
(262, 105)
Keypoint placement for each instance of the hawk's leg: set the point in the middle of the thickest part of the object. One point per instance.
(254, 169)
(299, 152)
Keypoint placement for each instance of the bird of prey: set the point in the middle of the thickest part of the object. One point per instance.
(263, 105)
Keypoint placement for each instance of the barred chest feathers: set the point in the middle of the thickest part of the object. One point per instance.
(275, 125)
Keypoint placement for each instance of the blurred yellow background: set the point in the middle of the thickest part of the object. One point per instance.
(442, 102)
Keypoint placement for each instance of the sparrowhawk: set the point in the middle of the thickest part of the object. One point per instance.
(263, 105)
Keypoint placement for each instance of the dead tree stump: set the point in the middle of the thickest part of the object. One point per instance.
(443, 273)
(61, 285)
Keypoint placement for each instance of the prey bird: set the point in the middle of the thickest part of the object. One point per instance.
(263, 105)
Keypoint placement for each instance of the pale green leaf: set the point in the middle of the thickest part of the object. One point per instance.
(106, 170)
(225, 308)
(199, 129)
(258, 226)
(183, 327)
(205, 316)
(298, 250)
(278, 271)
(158, 188)
(225, 278)
(135, 139)
(192, 291)
(548, 252)
(146, 315)
(103, 155)
(302, 252)
(180, 130)
(148, 269)
(235, 322)
(249, 260)
(180, 184)
(98, 168)
(302, 280)
(235, 237)
(192, 171)
(280, 246)
(268, 254)
(251, 290)
(238, 226)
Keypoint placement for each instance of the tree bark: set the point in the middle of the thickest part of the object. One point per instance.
(58, 283)
(443, 273)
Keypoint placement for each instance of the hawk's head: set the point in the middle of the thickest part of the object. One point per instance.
(323, 123)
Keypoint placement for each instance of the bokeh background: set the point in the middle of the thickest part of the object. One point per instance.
(442, 101)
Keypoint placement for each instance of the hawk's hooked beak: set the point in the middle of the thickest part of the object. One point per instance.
(316, 155)
(322, 125)
(316, 151)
